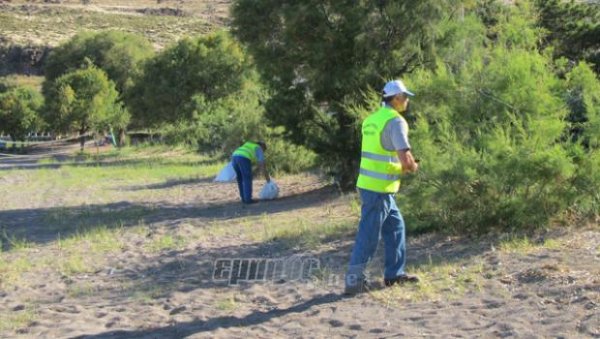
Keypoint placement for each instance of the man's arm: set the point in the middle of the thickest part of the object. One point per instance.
(263, 168)
(262, 163)
(409, 165)
(396, 137)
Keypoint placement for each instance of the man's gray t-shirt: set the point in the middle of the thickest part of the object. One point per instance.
(395, 135)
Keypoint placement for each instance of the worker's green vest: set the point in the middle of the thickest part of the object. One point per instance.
(379, 168)
(247, 150)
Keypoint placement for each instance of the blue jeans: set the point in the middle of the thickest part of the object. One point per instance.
(243, 173)
(380, 217)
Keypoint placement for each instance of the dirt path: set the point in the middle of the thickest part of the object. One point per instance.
(143, 289)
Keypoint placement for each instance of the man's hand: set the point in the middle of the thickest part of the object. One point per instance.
(409, 165)
(263, 168)
(415, 168)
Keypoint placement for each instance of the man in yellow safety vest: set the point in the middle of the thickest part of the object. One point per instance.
(242, 160)
(385, 155)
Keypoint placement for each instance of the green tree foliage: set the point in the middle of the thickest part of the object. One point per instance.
(491, 111)
(223, 124)
(19, 111)
(84, 100)
(582, 94)
(489, 132)
(119, 54)
(573, 29)
(316, 56)
(4, 85)
(488, 138)
(187, 76)
(204, 92)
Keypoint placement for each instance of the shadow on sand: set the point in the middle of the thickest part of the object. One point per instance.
(186, 273)
(185, 329)
(41, 225)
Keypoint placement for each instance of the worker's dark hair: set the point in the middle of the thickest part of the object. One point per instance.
(262, 145)
(389, 99)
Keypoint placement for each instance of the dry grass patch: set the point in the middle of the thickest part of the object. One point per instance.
(13, 269)
(441, 281)
(165, 242)
(85, 252)
(148, 293)
(228, 303)
(52, 24)
(13, 320)
(13, 243)
(82, 290)
(524, 245)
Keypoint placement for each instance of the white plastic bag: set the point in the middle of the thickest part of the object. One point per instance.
(227, 174)
(269, 191)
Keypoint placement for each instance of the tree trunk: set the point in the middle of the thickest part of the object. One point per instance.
(14, 145)
(82, 137)
(347, 176)
(122, 136)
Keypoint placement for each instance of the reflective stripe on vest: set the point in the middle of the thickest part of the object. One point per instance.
(247, 150)
(379, 168)
(378, 175)
(378, 157)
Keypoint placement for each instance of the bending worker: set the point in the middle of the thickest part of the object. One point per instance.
(243, 158)
(385, 155)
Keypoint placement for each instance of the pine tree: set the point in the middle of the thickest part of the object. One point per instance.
(573, 29)
(317, 56)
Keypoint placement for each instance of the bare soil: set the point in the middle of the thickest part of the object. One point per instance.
(135, 293)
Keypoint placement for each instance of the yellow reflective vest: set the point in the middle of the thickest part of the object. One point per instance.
(247, 150)
(380, 169)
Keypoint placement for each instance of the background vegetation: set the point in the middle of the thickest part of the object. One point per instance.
(502, 119)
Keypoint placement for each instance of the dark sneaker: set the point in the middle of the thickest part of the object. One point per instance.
(253, 201)
(401, 279)
(364, 286)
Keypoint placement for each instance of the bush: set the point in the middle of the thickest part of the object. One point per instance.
(119, 54)
(510, 187)
(587, 185)
(582, 95)
(490, 136)
(316, 56)
(282, 156)
(84, 100)
(19, 111)
(222, 125)
(285, 157)
(183, 80)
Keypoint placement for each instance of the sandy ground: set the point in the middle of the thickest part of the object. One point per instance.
(547, 292)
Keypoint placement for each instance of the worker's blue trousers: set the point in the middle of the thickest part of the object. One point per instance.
(380, 217)
(243, 173)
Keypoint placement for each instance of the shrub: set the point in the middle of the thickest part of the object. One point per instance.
(19, 111)
(489, 133)
(285, 157)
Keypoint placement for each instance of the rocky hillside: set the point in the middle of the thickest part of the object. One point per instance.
(30, 28)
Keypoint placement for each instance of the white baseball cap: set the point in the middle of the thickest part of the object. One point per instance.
(395, 87)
